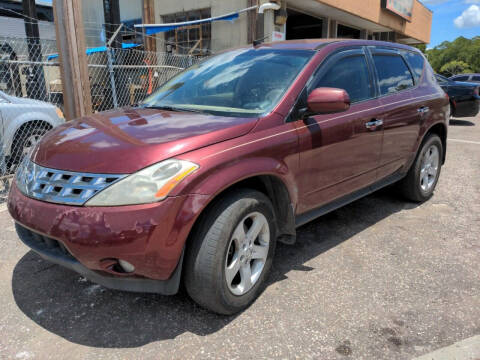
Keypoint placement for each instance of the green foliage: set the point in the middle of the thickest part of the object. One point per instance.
(461, 49)
(421, 47)
(455, 67)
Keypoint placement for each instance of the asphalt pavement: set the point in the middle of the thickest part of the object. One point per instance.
(381, 278)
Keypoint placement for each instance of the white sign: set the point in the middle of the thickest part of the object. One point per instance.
(278, 36)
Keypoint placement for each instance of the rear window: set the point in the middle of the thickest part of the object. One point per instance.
(393, 74)
(416, 62)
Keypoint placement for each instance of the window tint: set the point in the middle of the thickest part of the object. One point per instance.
(351, 74)
(460, 78)
(416, 62)
(393, 73)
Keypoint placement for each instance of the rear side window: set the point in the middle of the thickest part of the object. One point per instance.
(476, 78)
(393, 73)
(351, 74)
(416, 62)
(461, 78)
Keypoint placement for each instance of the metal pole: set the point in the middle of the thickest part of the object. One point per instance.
(110, 66)
(35, 85)
(112, 77)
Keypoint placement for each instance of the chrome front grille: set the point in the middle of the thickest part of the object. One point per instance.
(59, 186)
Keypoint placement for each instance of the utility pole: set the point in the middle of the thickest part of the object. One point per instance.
(73, 58)
(111, 11)
(35, 85)
(149, 18)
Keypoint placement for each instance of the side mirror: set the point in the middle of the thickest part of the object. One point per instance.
(328, 100)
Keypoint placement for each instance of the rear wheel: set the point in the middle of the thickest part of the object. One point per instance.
(422, 177)
(231, 253)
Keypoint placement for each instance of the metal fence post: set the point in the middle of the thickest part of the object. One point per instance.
(112, 76)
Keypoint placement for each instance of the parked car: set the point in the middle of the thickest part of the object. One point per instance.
(466, 77)
(227, 158)
(23, 122)
(464, 96)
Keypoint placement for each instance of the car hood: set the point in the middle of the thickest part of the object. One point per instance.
(28, 101)
(127, 140)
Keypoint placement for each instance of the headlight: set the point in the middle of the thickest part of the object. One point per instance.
(149, 185)
(59, 113)
(24, 174)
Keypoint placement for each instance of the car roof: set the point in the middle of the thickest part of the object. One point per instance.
(315, 44)
(470, 74)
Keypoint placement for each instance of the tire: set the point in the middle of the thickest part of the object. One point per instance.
(23, 140)
(452, 110)
(215, 249)
(415, 186)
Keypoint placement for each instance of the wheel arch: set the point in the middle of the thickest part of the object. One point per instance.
(274, 188)
(20, 126)
(439, 129)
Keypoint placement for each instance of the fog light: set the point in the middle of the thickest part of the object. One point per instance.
(126, 266)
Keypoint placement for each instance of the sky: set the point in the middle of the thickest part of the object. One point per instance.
(453, 18)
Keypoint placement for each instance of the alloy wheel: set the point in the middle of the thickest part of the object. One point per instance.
(29, 143)
(429, 168)
(247, 253)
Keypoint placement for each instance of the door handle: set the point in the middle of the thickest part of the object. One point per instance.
(374, 124)
(423, 110)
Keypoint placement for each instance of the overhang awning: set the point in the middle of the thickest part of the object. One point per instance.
(151, 29)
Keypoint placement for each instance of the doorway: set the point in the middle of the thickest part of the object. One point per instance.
(302, 26)
(347, 32)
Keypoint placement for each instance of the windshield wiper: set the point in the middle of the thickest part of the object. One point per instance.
(172, 108)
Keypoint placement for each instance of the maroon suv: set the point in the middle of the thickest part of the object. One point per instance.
(231, 155)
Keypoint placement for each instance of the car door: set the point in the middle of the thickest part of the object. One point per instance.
(339, 152)
(401, 113)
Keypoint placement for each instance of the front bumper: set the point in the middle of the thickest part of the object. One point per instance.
(53, 251)
(151, 237)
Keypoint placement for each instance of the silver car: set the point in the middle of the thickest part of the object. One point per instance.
(23, 122)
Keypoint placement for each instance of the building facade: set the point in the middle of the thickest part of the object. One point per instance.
(404, 21)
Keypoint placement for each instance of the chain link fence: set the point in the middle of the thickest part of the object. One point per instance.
(31, 92)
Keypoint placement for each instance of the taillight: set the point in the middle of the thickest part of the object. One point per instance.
(476, 91)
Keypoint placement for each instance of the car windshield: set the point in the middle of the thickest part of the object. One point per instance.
(240, 83)
(441, 78)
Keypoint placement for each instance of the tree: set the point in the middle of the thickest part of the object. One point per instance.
(455, 67)
(461, 49)
(421, 47)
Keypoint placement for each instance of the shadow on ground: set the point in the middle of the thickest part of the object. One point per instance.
(458, 122)
(67, 305)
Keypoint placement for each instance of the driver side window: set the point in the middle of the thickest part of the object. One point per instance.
(349, 73)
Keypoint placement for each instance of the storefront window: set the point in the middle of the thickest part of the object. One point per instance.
(194, 39)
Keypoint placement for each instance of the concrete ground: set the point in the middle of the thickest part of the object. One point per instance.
(379, 279)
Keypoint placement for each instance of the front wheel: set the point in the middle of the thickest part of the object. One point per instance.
(422, 177)
(25, 141)
(231, 252)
